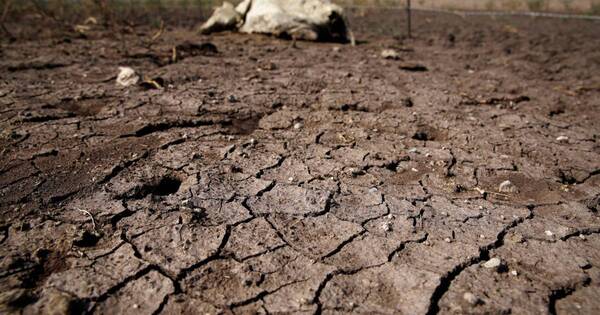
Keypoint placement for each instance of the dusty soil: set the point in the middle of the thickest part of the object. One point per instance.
(268, 177)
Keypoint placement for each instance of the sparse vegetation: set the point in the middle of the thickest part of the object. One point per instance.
(536, 5)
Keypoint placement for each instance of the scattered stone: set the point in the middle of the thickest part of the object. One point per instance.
(448, 240)
(298, 125)
(514, 273)
(390, 54)
(549, 233)
(493, 263)
(127, 77)
(581, 236)
(562, 139)
(508, 187)
(232, 99)
(386, 226)
(413, 150)
(471, 298)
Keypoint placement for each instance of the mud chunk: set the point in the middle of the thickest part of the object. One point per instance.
(390, 54)
(471, 298)
(508, 187)
(127, 77)
(54, 302)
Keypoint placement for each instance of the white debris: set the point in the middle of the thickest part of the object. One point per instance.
(413, 150)
(225, 17)
(514, 273)
(306, 19)
(386, 226)
(390, 54)
(549, 233)
(562, 139)
(508, 187)
(447, 240)
(298, 125)
(581, 236)
(493, 263)
(127, 77)
(471, 298)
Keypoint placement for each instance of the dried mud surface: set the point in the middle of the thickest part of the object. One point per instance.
(269, 177)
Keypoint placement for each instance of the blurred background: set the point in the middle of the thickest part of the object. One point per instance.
(190, 13)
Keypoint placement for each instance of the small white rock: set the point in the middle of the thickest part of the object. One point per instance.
(471, 298)
(562, 139)
(514, 273)
(127, 77)
(447, 240)
(390, 54)
(507, 187)
(493, 263)
(549, 233)
(386, 226)
(298, 125)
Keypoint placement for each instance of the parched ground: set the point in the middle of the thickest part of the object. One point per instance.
(268, 177)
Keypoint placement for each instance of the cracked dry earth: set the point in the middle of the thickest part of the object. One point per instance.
(320, 178)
